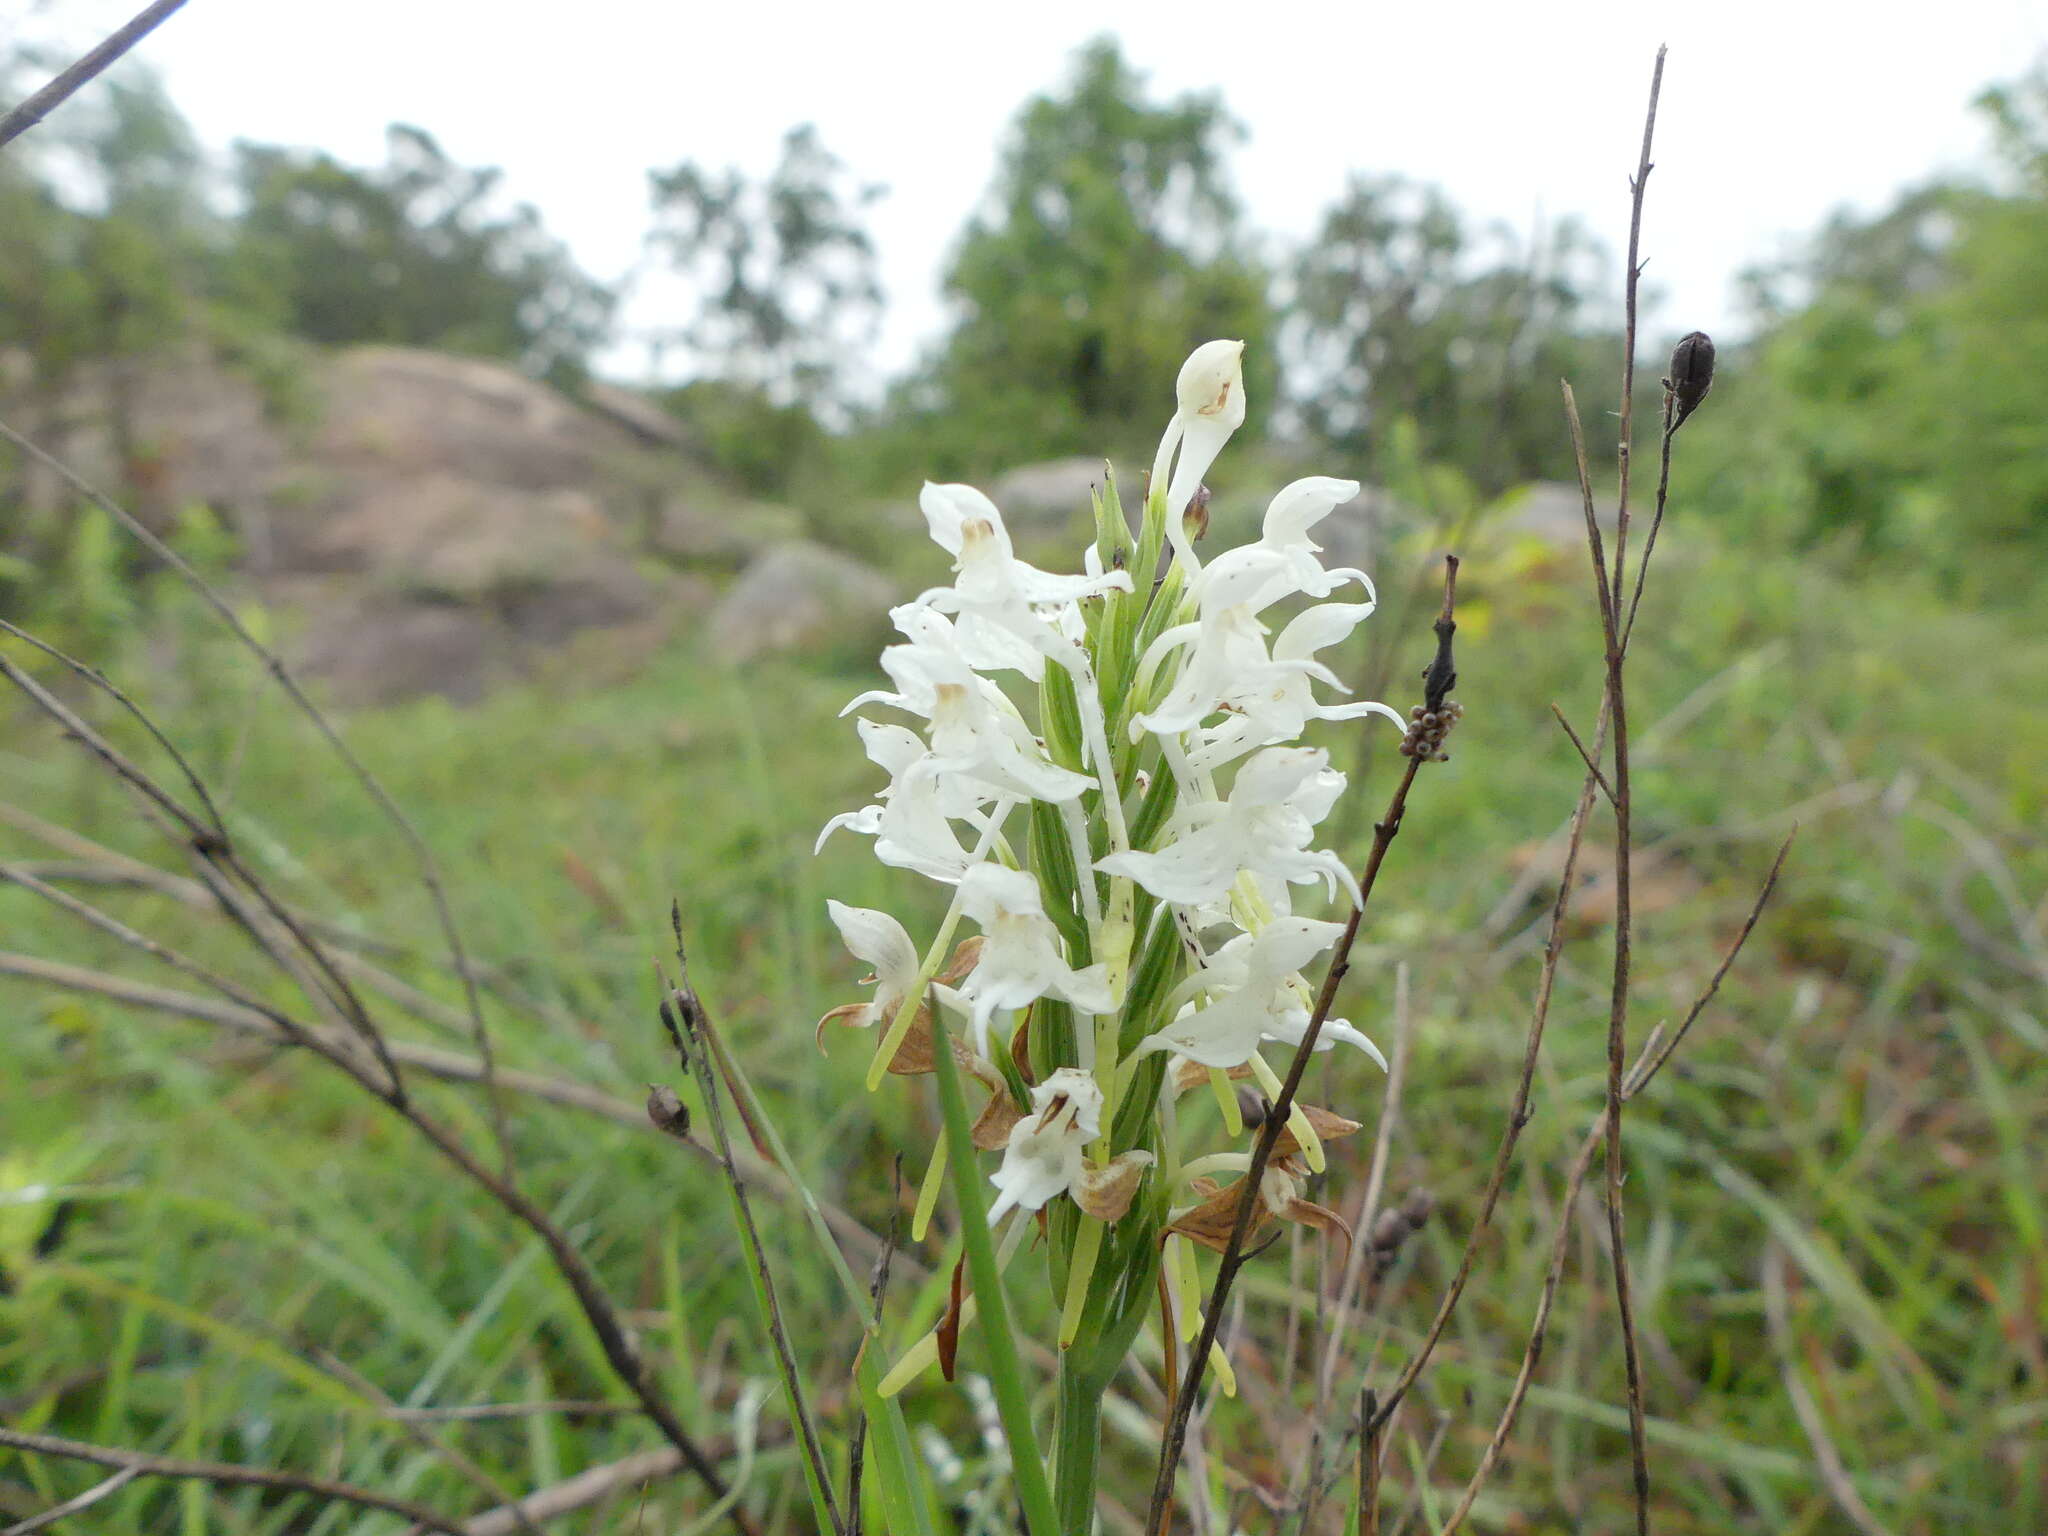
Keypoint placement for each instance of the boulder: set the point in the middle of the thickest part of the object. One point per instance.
(696, 526)
(427, 523)
(800, 596)
(1049, 497)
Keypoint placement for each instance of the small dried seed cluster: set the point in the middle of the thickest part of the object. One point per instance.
(1392, 1228)
(1427, 729)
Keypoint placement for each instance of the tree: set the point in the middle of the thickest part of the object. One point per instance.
(416, 252)
(1108, 248)
(782, 273)
(1400, 313)
(1897, 396)
(107, 259)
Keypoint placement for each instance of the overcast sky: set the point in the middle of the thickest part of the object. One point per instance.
(1773, 113)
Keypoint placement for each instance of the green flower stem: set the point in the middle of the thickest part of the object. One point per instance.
(1078, 1445)
(1087, 1249)
(1006, 1371)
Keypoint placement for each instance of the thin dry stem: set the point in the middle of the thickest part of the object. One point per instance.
(1234, 1256)
(1834, 1472)
(428, 867)
(77, 1504)
(228, 1474)
(1657, 1050)
(682, 1012)
(87, 69)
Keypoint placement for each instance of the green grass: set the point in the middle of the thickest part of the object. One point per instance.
(1869, 1093)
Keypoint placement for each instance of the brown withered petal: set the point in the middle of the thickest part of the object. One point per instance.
(966, 956)
(949, 1325)
(1325, 1123)
(840, 1015)
(914, 1056)
(1106, 1192)
(1321, 1217)
(1020, 1047)
(992, 1130)
(1192, 1074)
(1210, 1222)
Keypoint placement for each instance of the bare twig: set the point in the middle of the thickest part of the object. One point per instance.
(1518, 1109)
(210, 863)
(595, 1484)
(423, 858)
(1438, 680)
(1657, 1050)
(1833, 1472)
(77, 1504)
(228, 1474)
(1353, 1276)
(1585, 757)
(1368, 1463)
(425, 1438)
(682, 1013)
(878, 1290)
(449, 1066)
(1624, 937)
(67, 84)
(213, 857)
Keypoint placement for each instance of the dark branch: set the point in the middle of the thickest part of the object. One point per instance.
(66, 85)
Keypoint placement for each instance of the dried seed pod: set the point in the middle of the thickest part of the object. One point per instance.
(1251, 1104)
(1418, 1207)
(1389, 1231)
(667, 1110)
(1692, 375)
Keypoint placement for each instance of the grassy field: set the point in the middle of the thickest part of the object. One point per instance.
(216, 1249)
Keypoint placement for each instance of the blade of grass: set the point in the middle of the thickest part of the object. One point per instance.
(1006, 1371)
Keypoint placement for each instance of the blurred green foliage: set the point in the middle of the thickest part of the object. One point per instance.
(414, 252)
(187, 1218)
(1895, 402)
(1110, 246)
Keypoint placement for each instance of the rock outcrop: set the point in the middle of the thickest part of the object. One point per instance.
(436, 524)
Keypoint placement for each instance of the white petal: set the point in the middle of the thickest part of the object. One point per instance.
(879, 939)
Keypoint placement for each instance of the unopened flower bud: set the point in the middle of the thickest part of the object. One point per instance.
(1692, 375)
(1211, 383)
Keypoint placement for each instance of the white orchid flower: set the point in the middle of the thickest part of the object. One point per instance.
(976, 731)
(1257, 994)
(1047, 1154)
(881, 941)
(1000, 599)
(1273, 702)
(1263, 828)
(1289, 517)
(1209, 406)
(1020, 962)
(912, 819)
